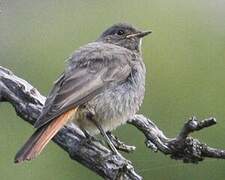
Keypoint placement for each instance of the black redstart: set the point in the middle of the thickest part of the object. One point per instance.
(101, 88)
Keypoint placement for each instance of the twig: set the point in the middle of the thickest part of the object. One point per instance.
(182, 147)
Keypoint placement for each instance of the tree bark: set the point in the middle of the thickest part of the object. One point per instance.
(28, 103)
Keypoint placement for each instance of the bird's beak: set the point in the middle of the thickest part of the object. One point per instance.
(139, 34)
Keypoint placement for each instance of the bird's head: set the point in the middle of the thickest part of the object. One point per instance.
(124, 35)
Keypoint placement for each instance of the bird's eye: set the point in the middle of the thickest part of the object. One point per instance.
(120, 32)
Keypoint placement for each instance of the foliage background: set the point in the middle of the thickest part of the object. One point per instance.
(185, 59)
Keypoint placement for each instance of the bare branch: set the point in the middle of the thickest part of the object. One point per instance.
(182, 147)
(28, 103)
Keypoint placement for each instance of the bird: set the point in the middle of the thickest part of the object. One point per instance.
(102, 87)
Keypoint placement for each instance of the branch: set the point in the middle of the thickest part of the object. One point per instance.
(182, 147)
(28, 103)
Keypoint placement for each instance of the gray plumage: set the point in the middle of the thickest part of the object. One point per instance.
(101, 88)
(121, 97)
(105, 78)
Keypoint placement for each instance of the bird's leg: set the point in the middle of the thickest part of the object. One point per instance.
(119, 145)
(71, 126)
(86, 133)
(103, 133)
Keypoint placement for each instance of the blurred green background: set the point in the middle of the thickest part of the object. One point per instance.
(185, 59)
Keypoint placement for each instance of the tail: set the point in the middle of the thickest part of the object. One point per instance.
(36, 143)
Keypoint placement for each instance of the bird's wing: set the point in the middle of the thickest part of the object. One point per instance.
(88, 73)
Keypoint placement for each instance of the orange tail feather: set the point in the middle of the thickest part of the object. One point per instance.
(36, 143)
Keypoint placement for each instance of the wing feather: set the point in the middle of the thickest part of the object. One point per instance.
(83, 79)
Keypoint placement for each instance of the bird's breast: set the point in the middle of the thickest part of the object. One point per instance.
(115, 105)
